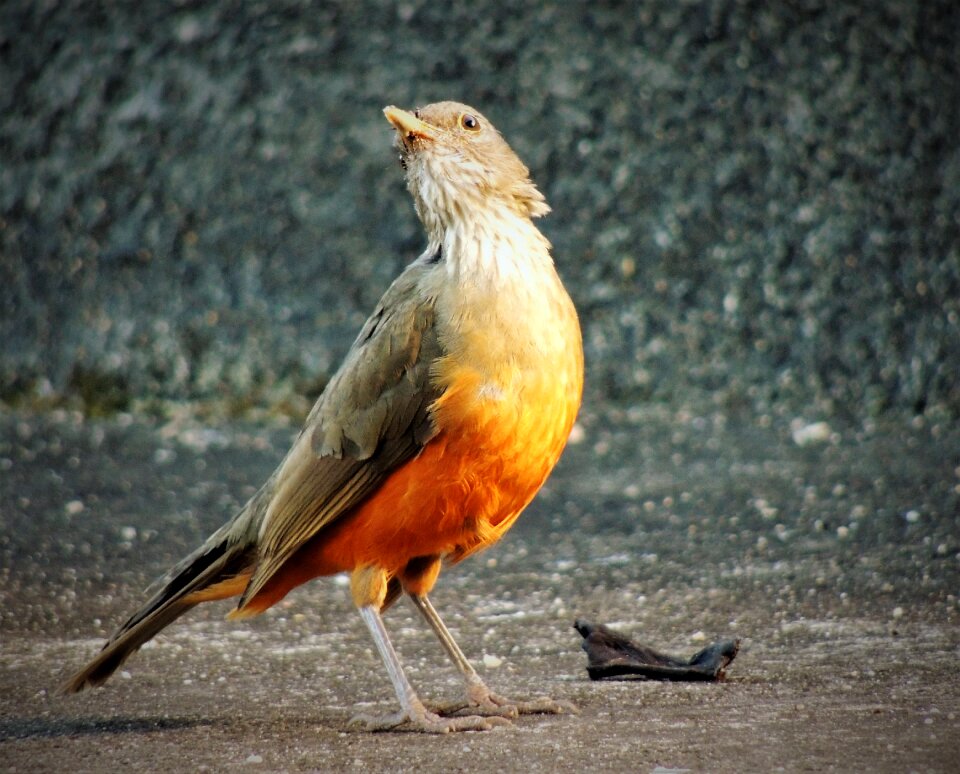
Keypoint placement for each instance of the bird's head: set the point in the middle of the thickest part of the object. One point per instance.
(458, 166)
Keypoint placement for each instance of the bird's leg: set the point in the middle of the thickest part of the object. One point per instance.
(479, 698)
(412, 715)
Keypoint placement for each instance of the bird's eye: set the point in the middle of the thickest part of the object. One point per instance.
(469, 122)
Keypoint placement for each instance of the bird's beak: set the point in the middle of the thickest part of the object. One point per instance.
(408, 125)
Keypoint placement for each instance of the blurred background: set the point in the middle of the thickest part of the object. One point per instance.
(756, 205)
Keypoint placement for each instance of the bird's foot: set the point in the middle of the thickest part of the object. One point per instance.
(481, 701)
(422, 720)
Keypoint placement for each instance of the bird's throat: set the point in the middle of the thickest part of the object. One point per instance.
(495, 249)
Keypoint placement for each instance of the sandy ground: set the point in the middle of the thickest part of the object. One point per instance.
(835, 561)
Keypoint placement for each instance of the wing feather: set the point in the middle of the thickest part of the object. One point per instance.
(373, 416)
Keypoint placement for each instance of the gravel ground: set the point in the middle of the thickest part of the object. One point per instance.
(836, 560)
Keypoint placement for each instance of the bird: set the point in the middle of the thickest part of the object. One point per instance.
(447, 415)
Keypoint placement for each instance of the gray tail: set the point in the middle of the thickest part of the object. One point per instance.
(216, 560)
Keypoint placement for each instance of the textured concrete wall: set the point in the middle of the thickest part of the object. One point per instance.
(756, 204)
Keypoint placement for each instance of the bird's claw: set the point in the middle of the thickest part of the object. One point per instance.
(486, 709)
(483, 702)
(426, 722)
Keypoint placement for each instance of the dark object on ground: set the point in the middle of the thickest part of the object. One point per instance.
(613, 655)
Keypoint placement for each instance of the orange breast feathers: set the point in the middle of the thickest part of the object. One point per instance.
(466, 487)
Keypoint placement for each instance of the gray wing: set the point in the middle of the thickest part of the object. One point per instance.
(373, 416)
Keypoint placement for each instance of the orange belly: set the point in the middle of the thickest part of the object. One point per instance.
(459, 495)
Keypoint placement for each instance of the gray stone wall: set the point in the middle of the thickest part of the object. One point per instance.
(756, 205)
